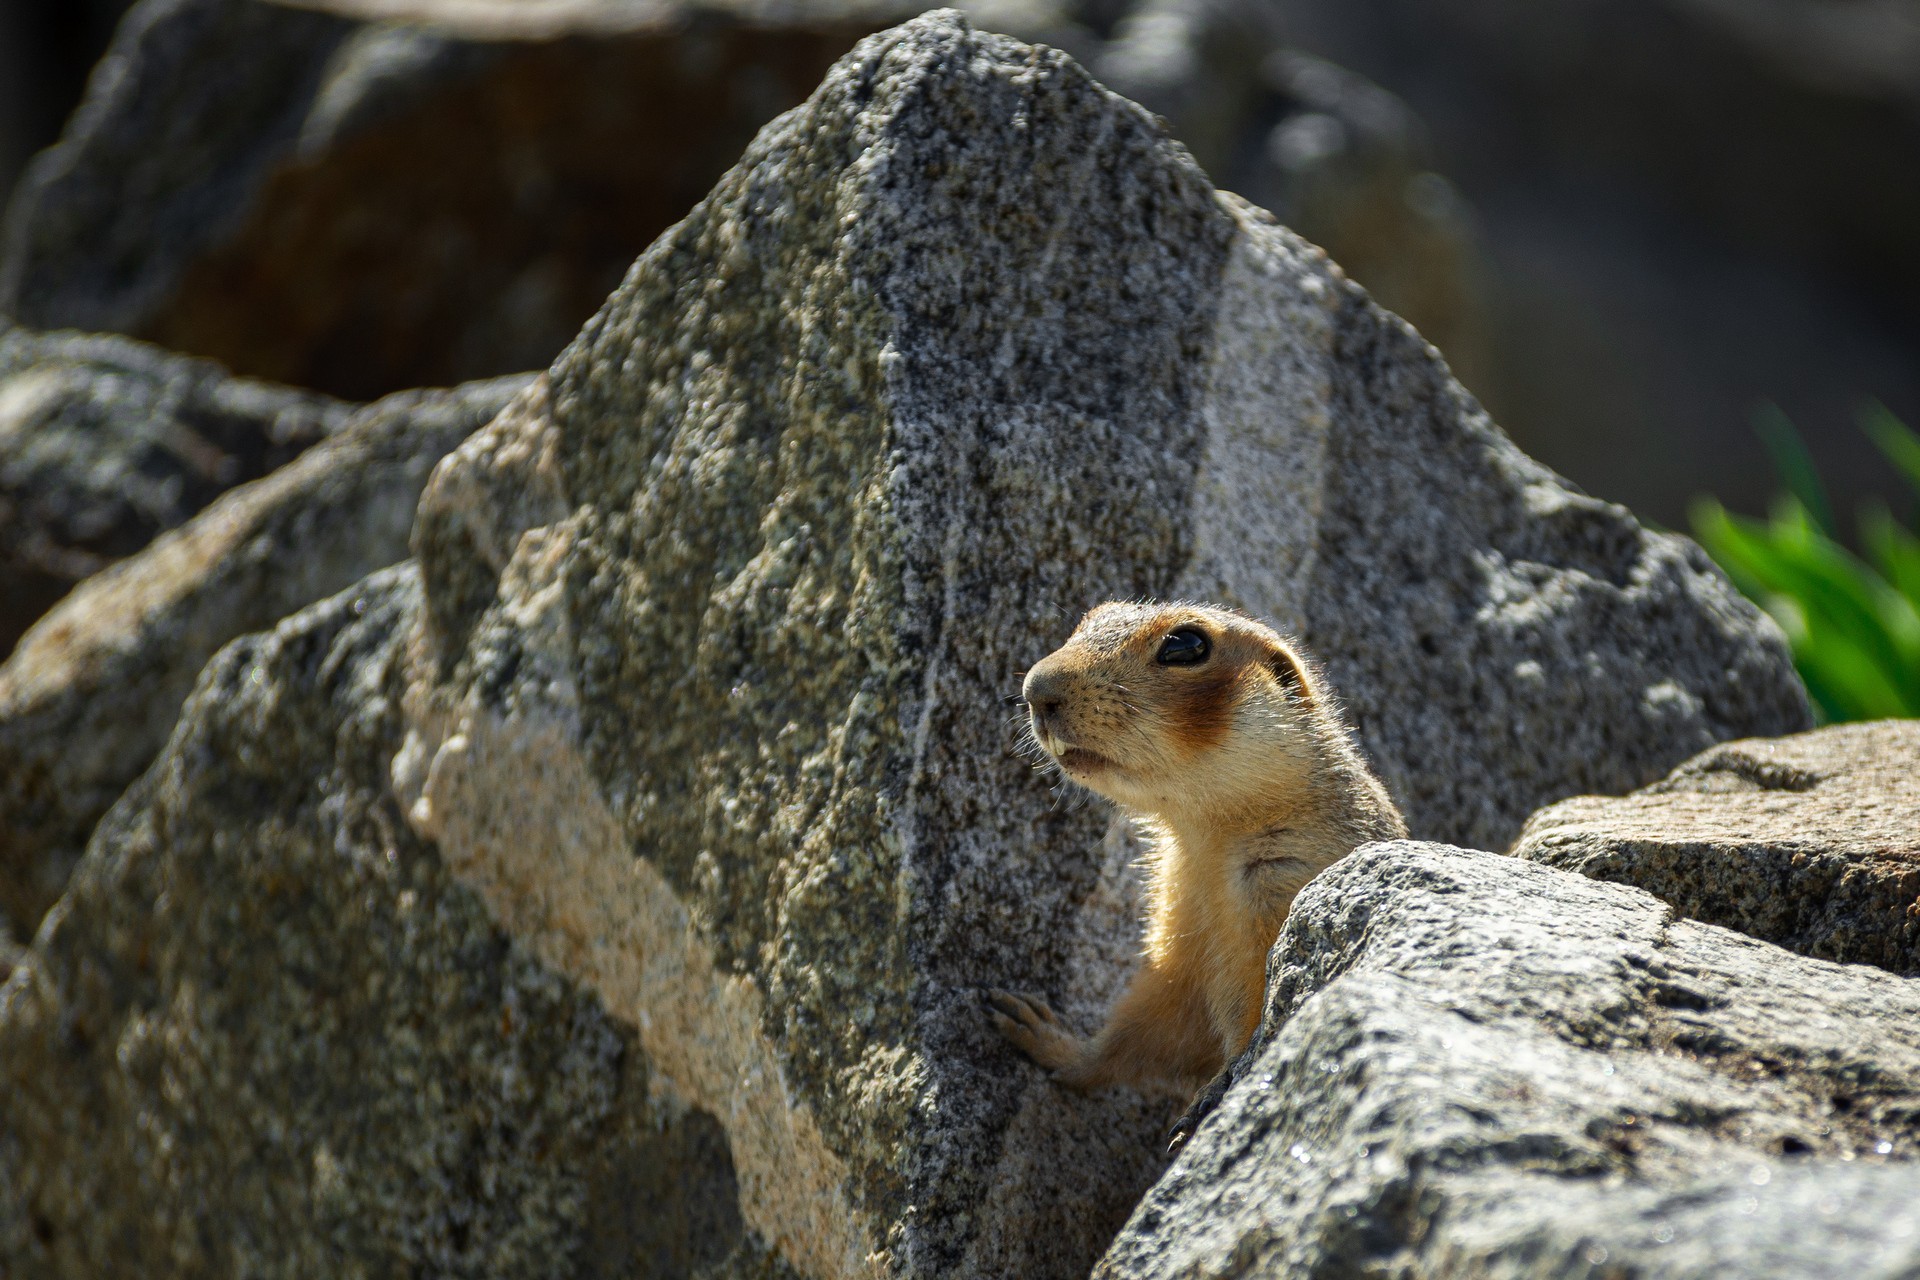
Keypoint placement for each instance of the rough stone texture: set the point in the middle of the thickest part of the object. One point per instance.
(958, 350)
(266, 1034)
(1475, 1066)
(704, 700)
(105, 442)
(90, 695)
(1811, 842)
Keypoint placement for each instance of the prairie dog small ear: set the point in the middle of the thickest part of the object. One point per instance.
(1288, 671)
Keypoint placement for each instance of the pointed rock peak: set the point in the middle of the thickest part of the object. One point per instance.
(954, 221)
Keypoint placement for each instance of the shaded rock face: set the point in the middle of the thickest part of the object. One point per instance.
(1811, 842)
(265, 1033)
(717, 644)
(90, 695)
(1472, 1065)
(105, 443)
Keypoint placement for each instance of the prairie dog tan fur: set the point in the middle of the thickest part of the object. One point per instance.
(1223, 742)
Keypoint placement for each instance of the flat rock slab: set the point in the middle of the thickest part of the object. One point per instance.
(704, 700)
(91, 693)
(1811, 842)
(1476, 1066)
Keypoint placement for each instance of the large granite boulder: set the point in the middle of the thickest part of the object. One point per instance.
(703, 701)
(853, 444)
(90, 695)
(1475, 1066)
(105, 443)
(1811, 842)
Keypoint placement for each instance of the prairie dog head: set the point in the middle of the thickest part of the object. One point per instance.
(1180, 710)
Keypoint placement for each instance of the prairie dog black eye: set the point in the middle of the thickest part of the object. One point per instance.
(1183, 647)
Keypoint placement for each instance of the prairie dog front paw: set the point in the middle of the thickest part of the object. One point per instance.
(1031, 1027)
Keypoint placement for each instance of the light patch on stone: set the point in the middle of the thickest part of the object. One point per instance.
(505, 478)
(1109, 928)
(1254, 520)
(1256, 504)
(517, 816)
(26, 398)
(104, 614)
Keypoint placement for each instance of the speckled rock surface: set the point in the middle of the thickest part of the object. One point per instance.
(90, 695)
(265, 1033)
(1811, 842)
(723, 634)
(105, 443)
(1477, 1066)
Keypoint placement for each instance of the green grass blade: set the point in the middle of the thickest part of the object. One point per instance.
(1894, 550)
(1855, 638)
(1853, 686)
(1896, 439)
(1794, 464)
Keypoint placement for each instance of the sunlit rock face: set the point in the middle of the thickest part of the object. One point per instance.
(1811, 842)
(960, 349)
(693, 719)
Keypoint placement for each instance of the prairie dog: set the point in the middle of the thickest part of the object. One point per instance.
(1222, 741)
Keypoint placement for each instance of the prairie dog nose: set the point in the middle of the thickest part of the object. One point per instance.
(1044, 690)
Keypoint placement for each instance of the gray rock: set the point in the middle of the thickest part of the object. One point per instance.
(1476, 1066)
(703, 700)
(1810, 842)
(105, 443)
(1335, 157)
(266, 1034)
(91, 694)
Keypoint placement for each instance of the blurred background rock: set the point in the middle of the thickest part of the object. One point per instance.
(1628, 223)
